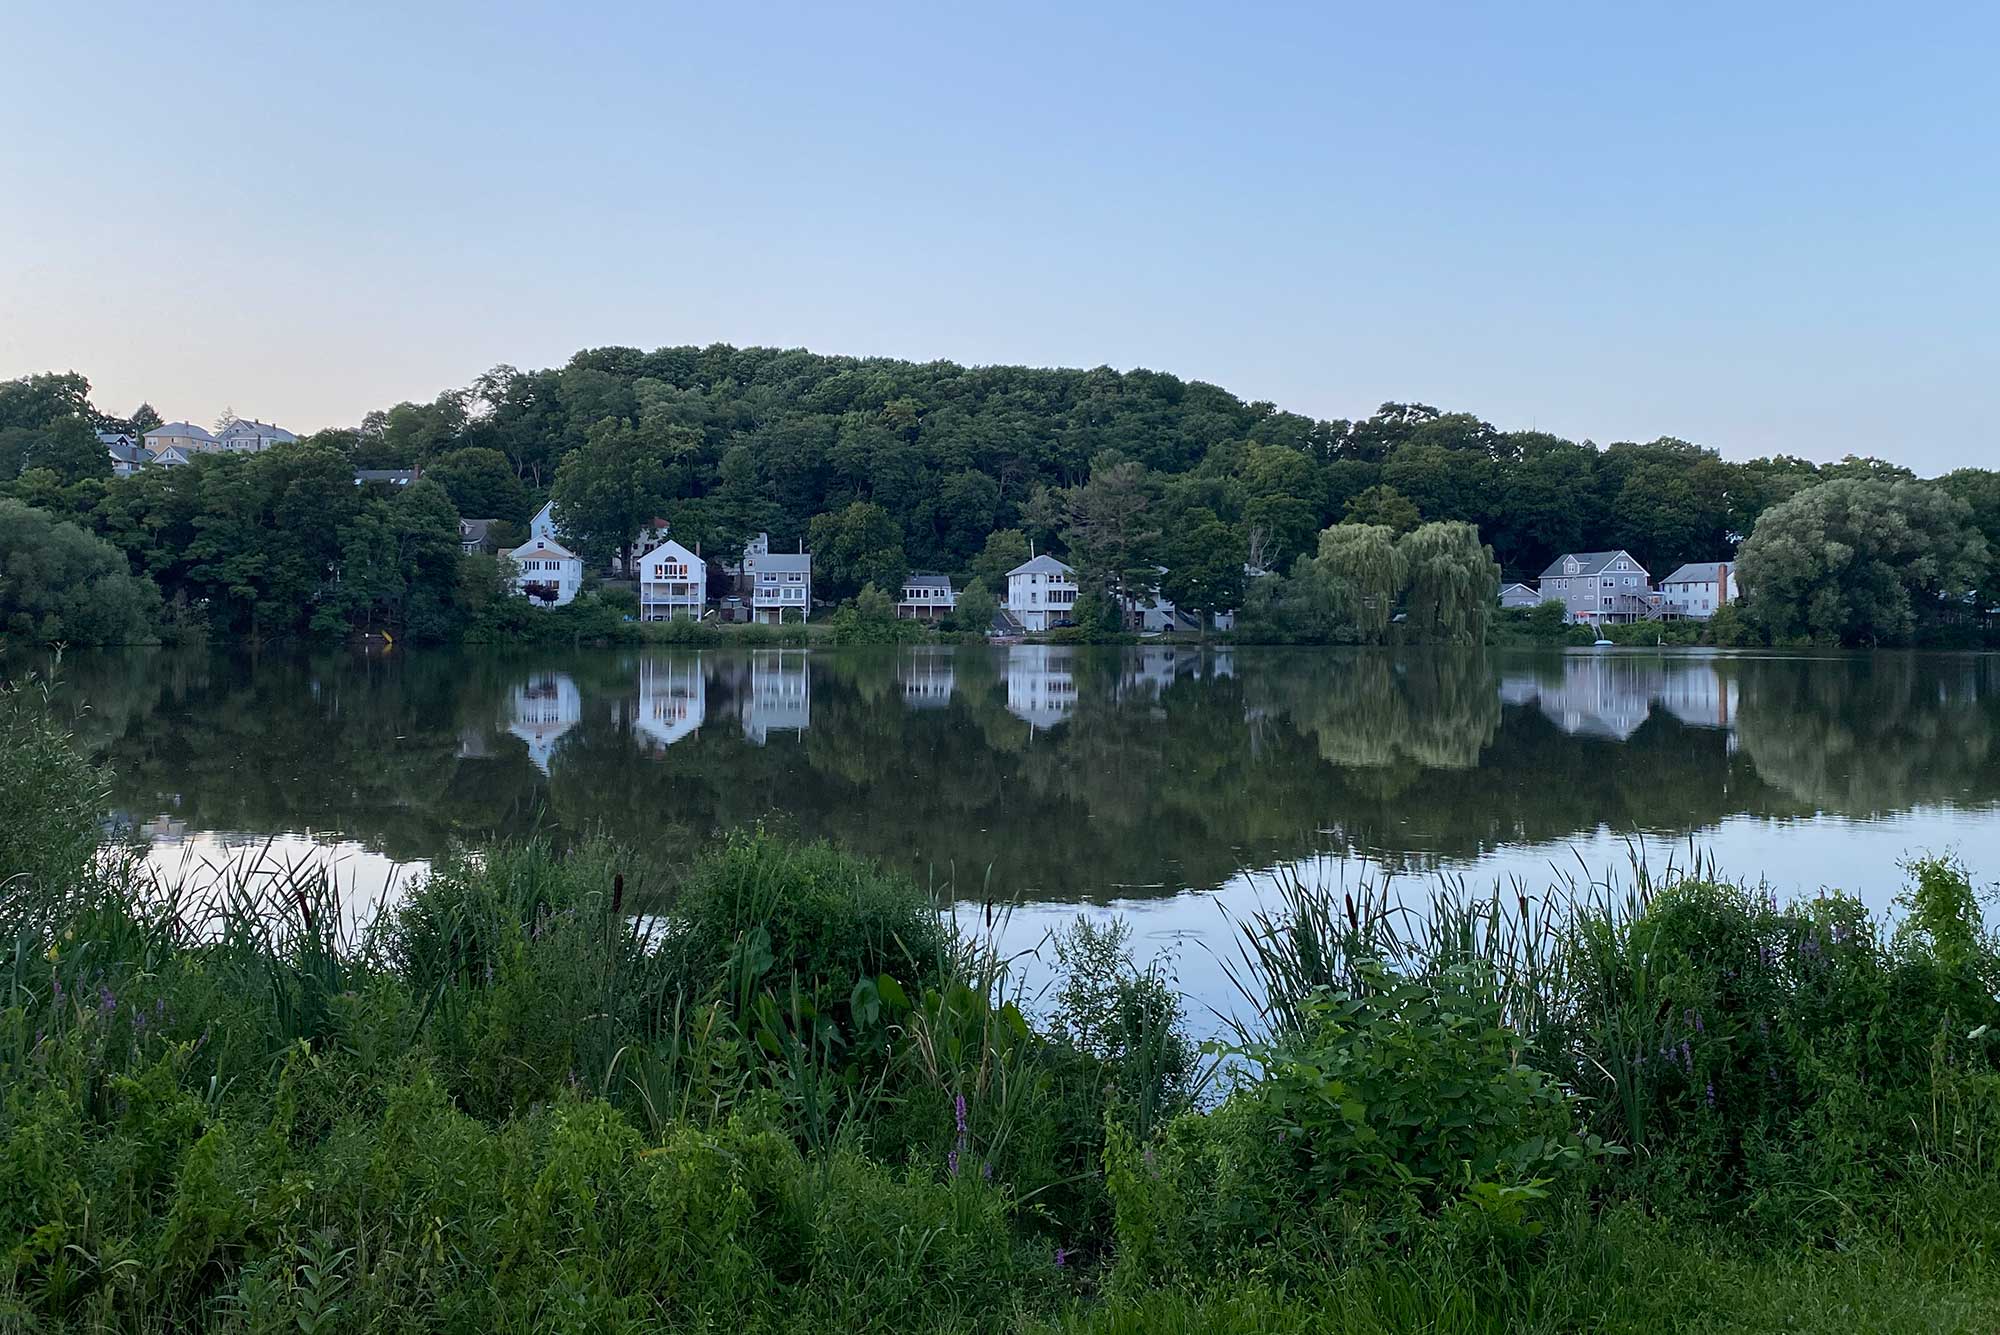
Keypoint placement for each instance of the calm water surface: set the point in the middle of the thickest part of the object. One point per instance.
(1154, 780)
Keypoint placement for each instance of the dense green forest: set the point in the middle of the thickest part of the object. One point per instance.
(882, 466)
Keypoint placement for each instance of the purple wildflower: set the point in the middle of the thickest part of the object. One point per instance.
(1062, 1255)
(1687, 1057)
(952, 1161)
(1697, 1022)
(57, 999)
(1711, 1096)
(986, 1171)
(107, 1001)
(959, 1108)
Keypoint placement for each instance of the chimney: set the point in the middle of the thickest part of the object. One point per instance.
(1721, 583)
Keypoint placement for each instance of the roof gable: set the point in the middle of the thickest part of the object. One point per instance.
(1041, 565)
(670, 551)
(544, 547)
(1588, 563)
(1700, 572)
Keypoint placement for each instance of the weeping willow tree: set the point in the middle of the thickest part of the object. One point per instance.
(1359, 570)
(1451, 584)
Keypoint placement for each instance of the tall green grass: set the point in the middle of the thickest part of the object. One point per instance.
(803, 1096)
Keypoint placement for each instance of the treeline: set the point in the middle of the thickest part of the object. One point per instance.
(882, 466)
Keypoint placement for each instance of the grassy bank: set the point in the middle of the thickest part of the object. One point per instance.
(797, 1098)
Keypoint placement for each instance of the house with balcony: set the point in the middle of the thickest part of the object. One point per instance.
(546, 706)
(673, 582)
(1600, 588)
(673, 700)
(780, 586)
(1041, 593)
(546, 573)
(1698, 589)
(927, 596)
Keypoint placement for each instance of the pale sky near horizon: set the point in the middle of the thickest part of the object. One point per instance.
(1767, 228)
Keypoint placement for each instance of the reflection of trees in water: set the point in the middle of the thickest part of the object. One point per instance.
(1376, 709)
(1163, 772)
(1867, 735)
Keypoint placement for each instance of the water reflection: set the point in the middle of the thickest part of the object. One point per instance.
(1058, 772)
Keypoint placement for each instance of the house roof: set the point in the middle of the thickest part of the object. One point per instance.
(926, 579)
(787, 562)
(1506, 589)
(179, 429)
(396, 475)
(673, 549)
(544, 547)
(252, 427)
(1697, 572)
(124, 451)
(474, 530)
(1591, 563)
(1041, 565)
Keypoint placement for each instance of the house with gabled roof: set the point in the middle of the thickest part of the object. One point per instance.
(127, 455)
(1517, 595)
(547, 573)
(673, 582)
(184, 436)
(1041, 593)
(1598, 588)
(927, 596)
(251, 436)
(1697, 589)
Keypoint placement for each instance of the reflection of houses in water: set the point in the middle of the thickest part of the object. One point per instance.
(928, 677)
(780, 694)
(1609, 695)
(546, 706)
(673, 699)
(1041, 689)
(164, 829)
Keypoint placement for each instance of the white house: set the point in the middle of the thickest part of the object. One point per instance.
(780, 582)
(127, 456)
(1041, 593)
(673, 699)
(1696, 590)
(250, 437)
(673, 582)
(546, 572)
(927, 596)
(546, 706)
(1518, 595)
(185, 436)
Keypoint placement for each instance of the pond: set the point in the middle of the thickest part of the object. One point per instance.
(1152, 779)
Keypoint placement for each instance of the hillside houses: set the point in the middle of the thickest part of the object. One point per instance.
(1612, 587)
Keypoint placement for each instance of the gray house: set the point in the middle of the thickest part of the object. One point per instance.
(1518, 595)
(1600, 587)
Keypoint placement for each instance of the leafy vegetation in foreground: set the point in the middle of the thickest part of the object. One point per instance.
(797, 1098)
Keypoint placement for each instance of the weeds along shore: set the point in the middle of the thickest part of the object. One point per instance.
(804, 1098)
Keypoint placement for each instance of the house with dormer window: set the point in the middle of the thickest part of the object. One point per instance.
(1599, 588)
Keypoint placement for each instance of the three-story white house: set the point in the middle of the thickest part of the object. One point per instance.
(1041, 592)
(673, 582)
(547, 573)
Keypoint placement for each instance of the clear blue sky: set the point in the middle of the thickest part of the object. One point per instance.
(1766, 227)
